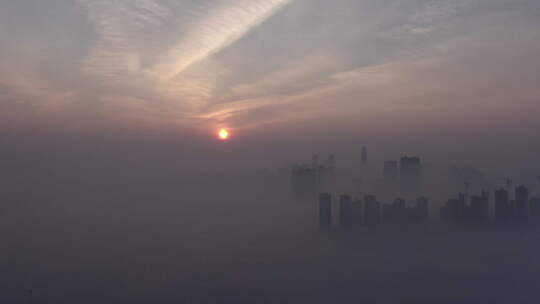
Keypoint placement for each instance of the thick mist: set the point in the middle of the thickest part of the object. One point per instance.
(93, 217)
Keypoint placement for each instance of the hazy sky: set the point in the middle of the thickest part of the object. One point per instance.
(191, 66)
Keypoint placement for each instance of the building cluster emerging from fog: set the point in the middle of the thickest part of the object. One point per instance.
(403, 178)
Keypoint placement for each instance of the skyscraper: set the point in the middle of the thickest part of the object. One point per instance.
(410, 174)
(345, 211)
(522, 203)
(304, 182)
(479, 209)
(534, 209)
(399, 210)
(502, 207)
(325, 211)
(422, 210)
(356, 214)
(390, 171)
(372, 212)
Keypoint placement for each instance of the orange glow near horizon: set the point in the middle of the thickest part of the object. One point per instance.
(223, 134)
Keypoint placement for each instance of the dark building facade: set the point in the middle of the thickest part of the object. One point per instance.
(534, 207)
(391, 171)
(325, 211)
(502, 206)
(421, 211)
(346, 217)
(521, 211)
(356, 213)
(479, 208)
(372, 211)
(410, 173)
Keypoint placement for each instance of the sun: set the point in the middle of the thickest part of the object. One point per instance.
(223, 134)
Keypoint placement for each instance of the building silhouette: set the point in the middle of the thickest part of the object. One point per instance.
(534, 207)
(325, 211)
(372, 210)
(502, 206)
(521, 211)
(421, 211)
(327, 176)
(399, 212)
(364, 156)
(479, 208)
(346, 217)
(390, 172)
(410, 173)
(304, 182)
(456, 210)
(356, 213)
(308, 180)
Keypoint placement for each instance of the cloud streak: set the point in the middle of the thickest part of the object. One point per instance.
(121, 25)
(218, 29)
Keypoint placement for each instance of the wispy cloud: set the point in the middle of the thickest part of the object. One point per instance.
(218, 29)
(121, 25)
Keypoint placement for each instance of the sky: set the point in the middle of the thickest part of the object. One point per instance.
(418, 72)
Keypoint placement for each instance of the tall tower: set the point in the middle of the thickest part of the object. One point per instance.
(346, 211)
(410, 172)
(522, 203)
(325, 211)
(502, 207)
(390, 171)
(372, 210)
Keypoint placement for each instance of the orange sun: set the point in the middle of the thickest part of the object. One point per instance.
(223, 134)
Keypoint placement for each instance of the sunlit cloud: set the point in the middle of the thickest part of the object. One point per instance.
(249, 62)
(217, 29)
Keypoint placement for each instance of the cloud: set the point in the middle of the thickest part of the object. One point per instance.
(217, 29)
(120, 26)
(249, 62)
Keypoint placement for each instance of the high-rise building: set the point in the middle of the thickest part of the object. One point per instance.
(410, 174)
(534, 209)
(399, 210)
(421, 213)
(387, 212)
(502, 206)
(356, 214)
(479, 209)
(345, 212)
(325, 211)
(304, 182)
(372, 212)
(330, 174)
(455, 209)
(522, 203)
(390, 171)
